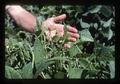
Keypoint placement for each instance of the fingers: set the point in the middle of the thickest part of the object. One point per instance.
(74, 35)
(67, 45)
(72, 29)
(60, 18)
(71, 39)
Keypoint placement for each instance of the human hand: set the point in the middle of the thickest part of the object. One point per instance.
(22, 18)
(51, 28)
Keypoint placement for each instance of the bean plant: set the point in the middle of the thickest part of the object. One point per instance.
(92, 56)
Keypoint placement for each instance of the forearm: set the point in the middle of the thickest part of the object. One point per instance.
(23, 18)
(16, 8)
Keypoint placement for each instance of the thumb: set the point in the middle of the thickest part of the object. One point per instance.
(60, 18)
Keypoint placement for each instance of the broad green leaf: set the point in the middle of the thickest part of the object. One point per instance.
(39, 51)
(27, 72)
(106, 11)
(108, 23)
(86, 36)
(112, 69)
(75, 73)
(74, 50)
(11, 73)
(95, 9)
(42, 66)
(84, 24)
(59, 75)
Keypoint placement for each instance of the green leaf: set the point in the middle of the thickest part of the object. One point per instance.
(95, 9)
(86, 36)
(92, 73)
(59, 75)
(66, 6)
(84, 63)
(75, 73)
(39, 51)
(95, 25)
(105, 54)
(110, 34)
(84, 24)
(10, 73)
(106, 11)
(47, 76)
(112, 69)
(41, 66)
(74, 50)
(112, 48)
(27, 72)
(108, 23)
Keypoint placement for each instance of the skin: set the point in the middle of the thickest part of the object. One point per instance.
(23, 18)
(51, 26)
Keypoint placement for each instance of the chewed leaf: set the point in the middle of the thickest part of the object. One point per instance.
(86, 36)
(84, 24)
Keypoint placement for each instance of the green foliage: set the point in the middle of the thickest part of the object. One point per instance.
(86, 36)
(27, 72)
(92, 56)
(75, 73)
(10, 73)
